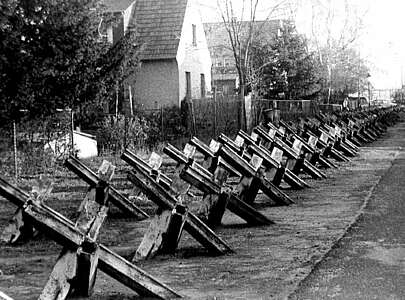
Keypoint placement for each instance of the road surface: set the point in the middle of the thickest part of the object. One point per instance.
(369, 262)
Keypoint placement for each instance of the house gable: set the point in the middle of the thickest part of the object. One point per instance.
(158, 25)
(122, 10)
(193, 56)
(172, 44)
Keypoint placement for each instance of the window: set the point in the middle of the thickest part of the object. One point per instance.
(202, 85)
(188, 85)
(194, 35)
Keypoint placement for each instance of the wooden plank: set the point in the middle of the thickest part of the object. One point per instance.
(251, 215)
(212, 152)
(153, 238)
(133, 160)
(291, 154)
(199, 180)
(231, 144)
(4, 296)
(204, 235)
(247, 170)
(87, 262)
(115, 197)
(12, 193)
(166, 200)
(212, 209)
(290, 178)
(85, 258)
(176, 154)
(202, 147)
(66, 234)
(218, 205)
(175, 229)
(61, 279)
(132, 276)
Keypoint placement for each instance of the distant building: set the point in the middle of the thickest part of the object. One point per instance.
(175, 60)
(224, 72)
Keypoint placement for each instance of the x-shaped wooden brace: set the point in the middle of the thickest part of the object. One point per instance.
(114, 196)
(82, 254)
(309, 147)
(217, 196)
(149, 182)
(295, 162)
(273, 168)
(252, 178)
(324, 142)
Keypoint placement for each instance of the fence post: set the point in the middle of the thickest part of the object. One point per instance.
(215, 112)
(72, 128)
(15, 151)
(192, 116)
(125, 131)
(242, 111)
(162, 123)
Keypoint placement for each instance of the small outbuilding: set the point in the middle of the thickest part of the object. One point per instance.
(85, 145)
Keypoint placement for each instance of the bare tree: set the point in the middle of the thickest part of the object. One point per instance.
(240, 25)
(336, 26)
(241, 28)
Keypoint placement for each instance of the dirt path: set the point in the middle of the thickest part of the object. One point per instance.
(269, 261)
(369, 262)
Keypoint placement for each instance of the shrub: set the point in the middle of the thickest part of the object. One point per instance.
(115, 133)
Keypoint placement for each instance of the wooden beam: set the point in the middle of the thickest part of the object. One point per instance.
(247, 170)
(115, 197)
(63, 231)
(165, 199)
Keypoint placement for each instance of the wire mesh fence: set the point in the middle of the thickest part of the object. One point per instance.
(31, 147)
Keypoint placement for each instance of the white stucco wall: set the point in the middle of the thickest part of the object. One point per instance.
(156, 84)
(127, 15)
(190, 58)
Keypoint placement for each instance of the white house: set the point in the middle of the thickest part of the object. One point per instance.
(175, 60)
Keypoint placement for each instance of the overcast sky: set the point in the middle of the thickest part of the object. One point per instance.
(382, 41)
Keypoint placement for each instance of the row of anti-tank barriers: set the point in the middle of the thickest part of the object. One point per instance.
(270, 156)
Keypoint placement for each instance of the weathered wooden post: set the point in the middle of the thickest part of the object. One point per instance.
(163, 234)
(295, 162)
(309, 147)
(75, 270)
(168, 198)
(217, 197)
(15, 151)
(19, 228)
(252, 179)
(271, 162)
(115, 197)
(4, 296)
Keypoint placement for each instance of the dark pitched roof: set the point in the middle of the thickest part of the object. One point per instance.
(117, 5)
(158, 25)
